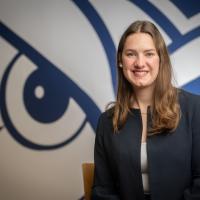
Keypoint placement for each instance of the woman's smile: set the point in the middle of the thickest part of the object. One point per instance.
(140, 73)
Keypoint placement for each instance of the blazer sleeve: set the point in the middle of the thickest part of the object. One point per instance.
(193, 193)
(103, 186)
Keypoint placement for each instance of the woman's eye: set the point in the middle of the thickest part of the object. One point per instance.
(150, 54)
(131, 54)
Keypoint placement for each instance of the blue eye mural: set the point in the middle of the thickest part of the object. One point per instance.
(57, 87)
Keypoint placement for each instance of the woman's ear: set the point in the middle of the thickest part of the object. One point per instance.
(120, 65)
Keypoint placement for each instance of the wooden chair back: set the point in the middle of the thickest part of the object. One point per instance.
(88, 175)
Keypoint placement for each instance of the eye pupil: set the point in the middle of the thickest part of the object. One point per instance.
(39, 92)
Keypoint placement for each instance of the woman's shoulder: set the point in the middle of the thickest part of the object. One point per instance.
(188, 96)
(188, 99)
(107, 115)
(105, 123)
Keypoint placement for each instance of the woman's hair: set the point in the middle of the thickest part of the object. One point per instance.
(165, 110)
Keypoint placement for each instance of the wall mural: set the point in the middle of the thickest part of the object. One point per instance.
(58, 72)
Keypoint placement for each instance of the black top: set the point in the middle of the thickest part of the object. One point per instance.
(173, 158)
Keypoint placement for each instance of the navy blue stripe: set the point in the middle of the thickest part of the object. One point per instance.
(22, 46)
(159, 17)
(184, 39)
(10, 126)
(193, 86)
(102, 33)
(86, 103)
(178, 39)
(188, 8)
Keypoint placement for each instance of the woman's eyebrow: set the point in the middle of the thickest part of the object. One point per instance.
(134, 50)
(147, 50)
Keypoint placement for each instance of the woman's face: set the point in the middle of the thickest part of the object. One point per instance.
(140, 60)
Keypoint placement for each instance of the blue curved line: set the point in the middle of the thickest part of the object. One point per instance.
(178, 39)
(21, 45)
(193, 86)
(159, 17)
(184, 39)
(11, 128)
(87, 104)
(188, 8)
(103, 33)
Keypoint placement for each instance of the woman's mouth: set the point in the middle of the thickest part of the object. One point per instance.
(139, 73)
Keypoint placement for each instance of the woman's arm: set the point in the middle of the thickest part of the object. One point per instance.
(193, 193)
(104, 187)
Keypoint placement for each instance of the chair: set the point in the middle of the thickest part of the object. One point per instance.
(88, 175)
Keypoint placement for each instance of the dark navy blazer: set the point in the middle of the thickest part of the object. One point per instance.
(173, 158)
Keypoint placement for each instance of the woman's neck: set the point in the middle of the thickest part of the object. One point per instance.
(143, 98)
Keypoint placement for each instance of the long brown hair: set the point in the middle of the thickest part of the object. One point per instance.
(165, 109)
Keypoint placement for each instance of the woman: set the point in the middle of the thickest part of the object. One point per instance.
(148, 144)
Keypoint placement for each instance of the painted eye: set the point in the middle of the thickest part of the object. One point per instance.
(44, 98)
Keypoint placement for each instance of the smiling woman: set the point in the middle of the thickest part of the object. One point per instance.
(140, 60)
(145, 77)
(137, 148)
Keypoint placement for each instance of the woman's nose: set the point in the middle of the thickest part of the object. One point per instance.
(139, 62)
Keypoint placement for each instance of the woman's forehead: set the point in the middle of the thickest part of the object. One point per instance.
(139, 41)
